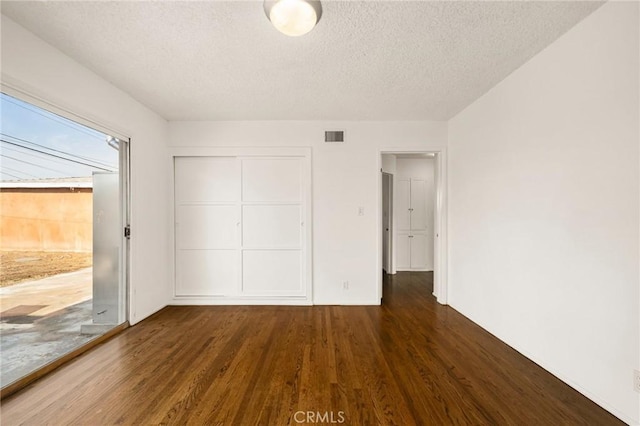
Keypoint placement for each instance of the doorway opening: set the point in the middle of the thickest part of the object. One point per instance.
(64, 191)
(412, 216)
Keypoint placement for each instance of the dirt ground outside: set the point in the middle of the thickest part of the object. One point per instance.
(19, 266)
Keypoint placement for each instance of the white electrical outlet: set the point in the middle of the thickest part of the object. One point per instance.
(345, 285)
(636, 380)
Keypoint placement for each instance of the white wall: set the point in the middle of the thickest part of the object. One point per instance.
(416, 168)
(544, 208)
(31, 65)
(345, 176)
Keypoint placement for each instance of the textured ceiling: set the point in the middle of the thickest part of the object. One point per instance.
(364, 61)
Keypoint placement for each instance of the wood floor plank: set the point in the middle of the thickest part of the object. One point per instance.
(410, 361)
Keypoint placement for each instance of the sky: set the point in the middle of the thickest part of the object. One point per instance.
(37, 144)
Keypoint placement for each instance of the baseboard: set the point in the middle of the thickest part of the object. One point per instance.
(267, 301)
(257, 300)
(368, 302)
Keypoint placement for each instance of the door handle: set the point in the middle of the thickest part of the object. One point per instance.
(410, 236)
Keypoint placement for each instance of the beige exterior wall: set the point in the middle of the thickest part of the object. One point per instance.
(46, 219)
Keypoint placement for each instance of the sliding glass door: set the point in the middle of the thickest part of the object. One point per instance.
(64, 209)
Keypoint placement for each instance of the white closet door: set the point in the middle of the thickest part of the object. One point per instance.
(272, 226)
(403, 251)
(418, 204)
(207, 226)
(403, 204)
(418, 251)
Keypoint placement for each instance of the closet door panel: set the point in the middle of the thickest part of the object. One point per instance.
(271, 272)
(206, 179)
(271, 180)
(271, 226)
(206, 227)
(206, 193)
(403, 204)
(419, 251)
(403, 251)
(418, 204)
(206, 272)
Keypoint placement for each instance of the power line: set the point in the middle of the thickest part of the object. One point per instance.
(36, 156)
(18, 171)
(55, 150)
(33, 164)
(57, 156)
(42, 157)
(53, 117)
(9, 174)
(57, 119)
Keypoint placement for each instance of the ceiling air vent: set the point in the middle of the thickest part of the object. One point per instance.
(334, 136)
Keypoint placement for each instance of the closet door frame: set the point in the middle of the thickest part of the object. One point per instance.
(302, 153)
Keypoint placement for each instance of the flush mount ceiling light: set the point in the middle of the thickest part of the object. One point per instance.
(293, 17)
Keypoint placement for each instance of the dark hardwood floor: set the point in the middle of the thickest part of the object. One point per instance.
(408, 362)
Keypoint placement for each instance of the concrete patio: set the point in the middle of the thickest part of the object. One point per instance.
(41, 320)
